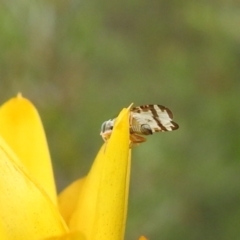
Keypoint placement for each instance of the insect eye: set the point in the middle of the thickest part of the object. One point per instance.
(107, 126)
(146, 129)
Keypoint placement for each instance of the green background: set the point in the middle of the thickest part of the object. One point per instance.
(81, 62)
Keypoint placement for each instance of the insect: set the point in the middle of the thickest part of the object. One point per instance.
(144, 120)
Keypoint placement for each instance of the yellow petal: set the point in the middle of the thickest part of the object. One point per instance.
(21, 127)
(101, 209)
(69, 236)
(26, 211)
(68, 199)
(143, 238)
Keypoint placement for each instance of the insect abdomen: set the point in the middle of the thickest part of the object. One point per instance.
(143, 129)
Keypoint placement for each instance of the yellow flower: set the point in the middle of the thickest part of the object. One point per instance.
(28, 201)
(93, 208)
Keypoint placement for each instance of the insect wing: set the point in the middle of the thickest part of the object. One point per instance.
(158, 117)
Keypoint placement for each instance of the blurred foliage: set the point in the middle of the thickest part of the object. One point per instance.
(81, 62)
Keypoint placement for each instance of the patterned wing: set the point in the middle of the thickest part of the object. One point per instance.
(156, 117)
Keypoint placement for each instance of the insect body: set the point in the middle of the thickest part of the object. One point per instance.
(144, 120)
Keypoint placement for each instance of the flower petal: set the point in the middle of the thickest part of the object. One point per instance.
(143, 238)
(69, 236)
(102, 205)
(21, 127)
(68, 199)
(27, 212)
